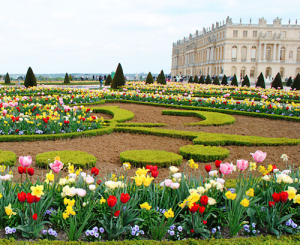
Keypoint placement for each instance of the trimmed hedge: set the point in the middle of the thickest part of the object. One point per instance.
(209, 118)
(77, 158)
(147, 125)
(7, 158)
(148, 157)
(120, 115)
(201, 153)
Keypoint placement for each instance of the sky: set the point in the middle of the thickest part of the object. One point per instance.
(93, 36)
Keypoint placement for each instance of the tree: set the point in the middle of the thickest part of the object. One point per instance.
(201, 80)
(7, 78)
(70, 78)
(216, 81)
(161, 78)
(234, 81)
(246, 81)
(191, 80)
(108, 80)
(289, 82)
(119, 79)
(196, 80)
(30, 79)
(208, 81)
(67, 79)
(260, 81)
(277, 82)
(224, 80)
(296, 83)
(149, 79)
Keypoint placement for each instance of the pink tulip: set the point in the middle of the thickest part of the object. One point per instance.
(168, 182)
(226, 168)
(242, 164)
(175, 185)
(259, 156)
(80, 192)
(25, 161)
(56, 166)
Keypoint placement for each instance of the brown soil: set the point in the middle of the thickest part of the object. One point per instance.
(107, 148)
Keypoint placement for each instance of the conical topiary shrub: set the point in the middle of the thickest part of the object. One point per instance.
(201, 80)
(246, 81)
(7, 79)
(108, 80)
(216, 81)
(296, 83)
(277, 82)
(196, 80)
(234, 81)
(119, 79)
(224, 80)
(191, 80)
(260, 81)
(208, 80)
(67, 79)
(149, 79)
(70, 78)
(289, 82)
(30, 79)
(161, 78)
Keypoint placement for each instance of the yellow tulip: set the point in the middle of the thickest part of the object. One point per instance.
(37, 190)
(245, 203)
(146, 206)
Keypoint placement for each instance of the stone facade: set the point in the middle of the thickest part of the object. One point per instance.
(241, 49)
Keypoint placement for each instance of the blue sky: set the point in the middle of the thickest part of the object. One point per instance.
(93, 36)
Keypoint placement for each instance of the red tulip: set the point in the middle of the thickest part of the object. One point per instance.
(218, 162)
(204, 200)
(154, 174)
(274, 167)
(271, 204)
(22, 196)
(149, 167)
(192, 231)
(154, 168)
(111, 201)
(95, 171)
(99, 181)
(194, 208)
(34, 217)
(117, 213)
(284, 196)
(276, 197)
(30, 171)
(204, 222)
(29, 198)
(201, 209)
(207, 168)
(24, 170)
(36, 199)
(124, 198)
(20, 170)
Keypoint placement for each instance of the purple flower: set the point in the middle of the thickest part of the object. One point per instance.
(101, 230)
(172, 233)
(180, 228)
(95, 229)
(87, 233)
(96, 234)
(92, 233)
(133, 233)
(44, 232)
(172, 227)
(213, 231)
(289, 222)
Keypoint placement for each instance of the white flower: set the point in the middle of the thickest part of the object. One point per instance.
(266, 178)
(201, 190)
(207, 186)
(211, 201)
(284, 178)
(212, 182)
(89, 180)
(83, 174)
(92, 187)
(296, 180)
(213, 173)
(177, 175)
(275, 170)
(193, 191)
(220, 186)
(286, 171)
(284, 157)
(220, 180)
(72, 175)
(173, 169)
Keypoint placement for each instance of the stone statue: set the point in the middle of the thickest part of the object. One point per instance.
(277, 22)
(262, 22)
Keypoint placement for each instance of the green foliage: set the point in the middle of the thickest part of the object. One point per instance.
(119, 79)
(161, 78)
(149, 79)
(224, 80)
(148, 157)
(208, 80)
(260, 81)
(77, 158)
(30, 79)
(277, 82)
(201, 80)
(191, 80)
(296, 83)
(216, 81)
(108, 80)
(7, 158)
(148, 125)
(7, 79)
(289, 82)
(246, 81)
(201, 153)
(196, 80)
(209, 118)
(70, 78)
(234, 81)
(67, 79)
(120, 115)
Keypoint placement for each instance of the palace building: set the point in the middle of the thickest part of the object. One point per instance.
(241, 49)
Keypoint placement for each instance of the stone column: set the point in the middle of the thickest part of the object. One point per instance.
(274, 52)
(207, 59)
(278, 56)
(259, 52)
(264, 54)
(212, 54)
(249, 50)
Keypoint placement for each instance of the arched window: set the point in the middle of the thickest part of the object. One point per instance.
(269, 72)
(298, 54)
(244, 53)
(268, 53)
(233, 53)
(243, 72)
(233, 71)
(253, 53)
(252, 72)
(282, 54)
(281, 71)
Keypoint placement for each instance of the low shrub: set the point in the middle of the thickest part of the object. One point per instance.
(77, 158)
(149, 157)
(201, 153)
(120, 115)
(7, 158)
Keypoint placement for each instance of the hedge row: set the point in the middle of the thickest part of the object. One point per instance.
(201, 138)
(120, 115)
(7, 158)
(148, 157)
(147, 125)
(77, 158)
(201, 153)
(261, 240)
(233, 112)
(209, 118)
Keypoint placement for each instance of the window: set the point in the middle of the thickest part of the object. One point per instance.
(233, 71)
(245, 33)
(224, 34)
(243, 72)
(269, 34)
(252, 71)
(235, 33)
(233, 52)
(282, 54)
(284, 34)
(253, 53)
(244, 53)
(254, 33)
(268, 53)
(298, 54)
(291, 55)
(281, 71)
